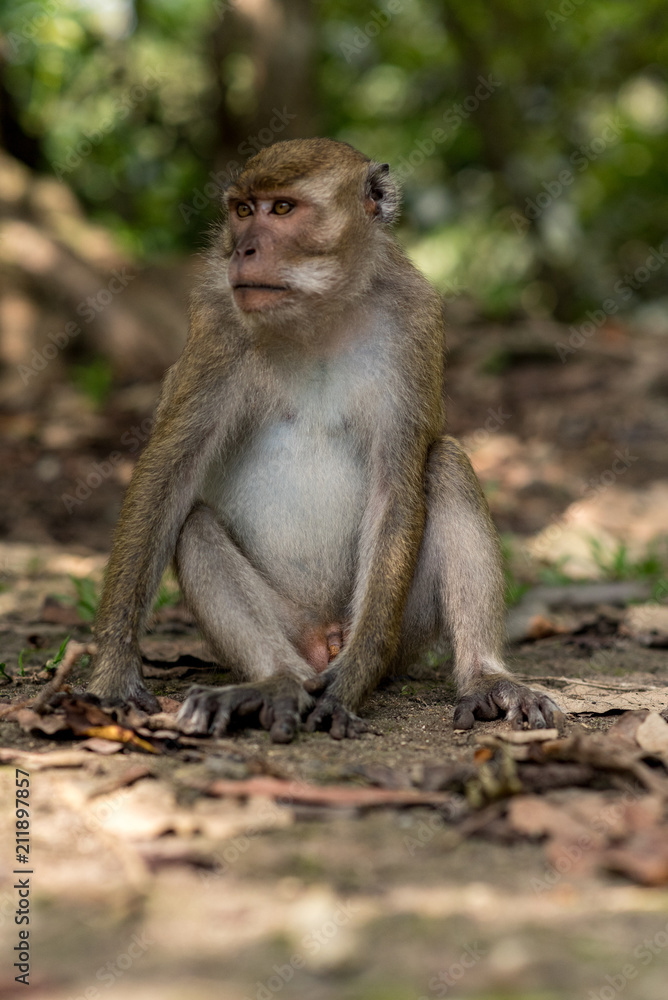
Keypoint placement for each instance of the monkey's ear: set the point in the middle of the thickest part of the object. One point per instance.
(382, 195)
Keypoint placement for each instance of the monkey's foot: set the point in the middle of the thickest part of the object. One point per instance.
(493, 698)
(329, 714)
(214, 710)
(129, 689)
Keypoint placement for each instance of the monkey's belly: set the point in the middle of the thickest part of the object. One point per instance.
(293, 502)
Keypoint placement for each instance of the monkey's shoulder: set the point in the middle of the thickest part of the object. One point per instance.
(409, 294)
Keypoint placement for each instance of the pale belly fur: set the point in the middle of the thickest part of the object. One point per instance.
(293, 501)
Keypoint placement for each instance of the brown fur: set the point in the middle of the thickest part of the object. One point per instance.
(324, 528)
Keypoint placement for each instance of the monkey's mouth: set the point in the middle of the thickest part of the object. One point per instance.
(252, 297)
(263, 288)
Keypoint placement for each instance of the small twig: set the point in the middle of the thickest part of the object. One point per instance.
(73, 651)
(536, 678)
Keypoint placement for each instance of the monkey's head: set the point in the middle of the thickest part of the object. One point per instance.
(305, 220)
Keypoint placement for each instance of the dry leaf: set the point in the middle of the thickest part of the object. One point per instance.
(521, 736)
(97, 745)
(652, 735)
(644, 858)
(580, 698)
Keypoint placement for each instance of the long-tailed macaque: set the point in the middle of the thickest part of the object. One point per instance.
(324, 528)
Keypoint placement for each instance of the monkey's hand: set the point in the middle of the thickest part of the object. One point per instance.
(330, 713)
(278, 703)
(117, 679)
(493, 695)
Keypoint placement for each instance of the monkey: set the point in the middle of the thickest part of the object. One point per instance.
(324, 527)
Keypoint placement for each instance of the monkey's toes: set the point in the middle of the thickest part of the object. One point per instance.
(479, 706)
(145, 700)
(211, 710)
(521, 705)
(281, 717)
(138, 695)
(330, 714)
(536, 710)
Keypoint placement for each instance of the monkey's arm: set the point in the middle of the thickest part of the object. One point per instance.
(163, 488)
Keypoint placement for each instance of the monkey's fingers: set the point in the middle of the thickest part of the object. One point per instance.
(474, 706)
(231, 702)
(195, 712)
(522, 704)
(347, 724)
(330, 714)
(281, 717)
(210, 710)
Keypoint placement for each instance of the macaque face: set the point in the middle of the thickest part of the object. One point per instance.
(268, 230)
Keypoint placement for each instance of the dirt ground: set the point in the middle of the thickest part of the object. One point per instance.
(144, 886)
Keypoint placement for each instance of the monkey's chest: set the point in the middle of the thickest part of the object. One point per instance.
(292, 500)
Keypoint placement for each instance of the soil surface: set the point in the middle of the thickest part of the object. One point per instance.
(144, 887)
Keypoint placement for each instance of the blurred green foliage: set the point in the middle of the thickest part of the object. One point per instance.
(530, 139)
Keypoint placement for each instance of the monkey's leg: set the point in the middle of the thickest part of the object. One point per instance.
(249, 626)
(460, 568)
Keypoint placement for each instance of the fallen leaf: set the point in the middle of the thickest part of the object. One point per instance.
(652, 735)
(46, 725)
(581, 698)
(115, 732)
(540, 627)
(520, 736)
(644, 858)
(102, 746)
(623, 730)
(642, 619)
(170, 706)
(535, 816)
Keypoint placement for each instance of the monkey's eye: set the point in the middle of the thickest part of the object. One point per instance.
(243, 210)
(282, 207)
